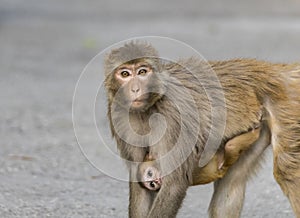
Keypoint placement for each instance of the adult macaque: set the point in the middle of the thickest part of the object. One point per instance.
(150, 176)
(139, 86)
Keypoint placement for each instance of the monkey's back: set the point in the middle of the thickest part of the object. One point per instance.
(249, 84)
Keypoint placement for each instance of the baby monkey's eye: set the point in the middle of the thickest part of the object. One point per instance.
(149, 173)
(124, 73)
(152, 184)
(142, 71)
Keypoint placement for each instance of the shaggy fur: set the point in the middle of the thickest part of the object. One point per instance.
(253, 90)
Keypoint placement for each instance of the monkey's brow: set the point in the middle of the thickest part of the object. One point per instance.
(123, 67)
(143, 65)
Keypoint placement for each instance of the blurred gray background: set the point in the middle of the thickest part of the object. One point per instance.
(44, 46)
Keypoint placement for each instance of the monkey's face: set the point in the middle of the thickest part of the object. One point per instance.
(151, 178)
(136, 82)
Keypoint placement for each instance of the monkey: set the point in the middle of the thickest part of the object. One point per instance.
(140, 86)
(150, 176)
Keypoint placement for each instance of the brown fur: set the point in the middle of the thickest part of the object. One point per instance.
(216, 167)
(224, 158)
(251, 88)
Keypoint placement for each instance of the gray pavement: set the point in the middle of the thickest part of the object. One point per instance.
(44, 46)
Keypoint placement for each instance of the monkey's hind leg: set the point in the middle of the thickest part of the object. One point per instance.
(229, 192)
(287, 165)
(285, 127)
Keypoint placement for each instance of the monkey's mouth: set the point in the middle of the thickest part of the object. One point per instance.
(158, 181)
(138, 102)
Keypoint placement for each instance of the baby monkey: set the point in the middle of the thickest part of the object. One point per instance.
(150, 176)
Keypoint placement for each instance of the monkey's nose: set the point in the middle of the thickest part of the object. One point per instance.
(135, 90)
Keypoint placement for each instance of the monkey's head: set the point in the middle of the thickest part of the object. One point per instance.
(132, 76)
(150, 176)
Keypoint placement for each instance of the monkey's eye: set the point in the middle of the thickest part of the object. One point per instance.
(149, 173)
(142, 71)
(152, 184)
(124, 73)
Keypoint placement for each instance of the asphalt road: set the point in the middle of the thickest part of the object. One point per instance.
(44, 47)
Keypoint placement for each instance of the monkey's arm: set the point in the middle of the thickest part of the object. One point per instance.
(235, 146)
(140, 200)
(170, 196)
(223, 159)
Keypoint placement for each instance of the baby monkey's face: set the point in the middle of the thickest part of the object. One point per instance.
(151, 178)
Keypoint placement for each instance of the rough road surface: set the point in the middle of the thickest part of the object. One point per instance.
(45, 45)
